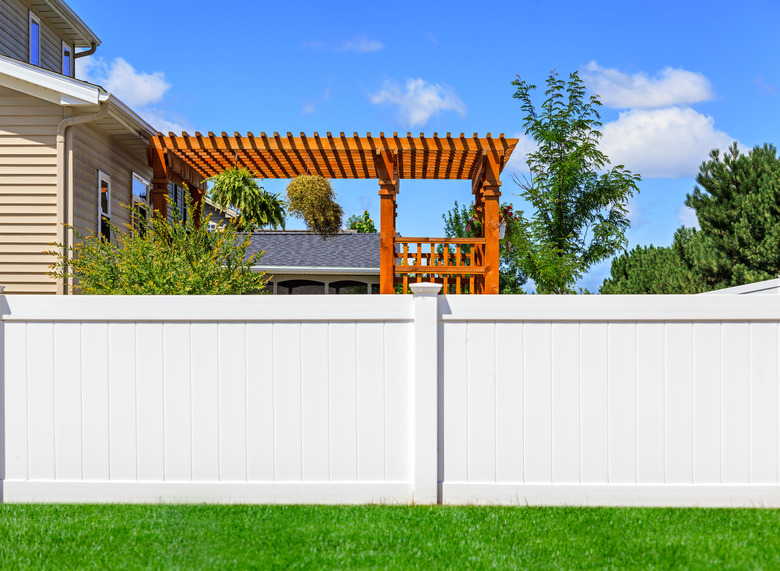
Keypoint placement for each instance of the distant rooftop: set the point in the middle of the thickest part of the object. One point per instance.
(298, 248)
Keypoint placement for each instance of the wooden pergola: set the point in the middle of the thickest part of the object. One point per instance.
(457, 263)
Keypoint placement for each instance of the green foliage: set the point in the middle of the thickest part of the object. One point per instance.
(163, 258)
(311, 198)
(580, 216)
(651, 270)
(737, 202)
(463, 222)
(237, 188)
(363, 224)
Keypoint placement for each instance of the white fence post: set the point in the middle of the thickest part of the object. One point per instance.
(426, 348)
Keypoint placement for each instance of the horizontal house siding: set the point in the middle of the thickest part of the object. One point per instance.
(28, 191)
(15, 36)
(14, 32)
(93, 151)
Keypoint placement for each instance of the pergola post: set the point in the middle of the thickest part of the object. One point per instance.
(486, 187)
(159, 181)
(388, 189)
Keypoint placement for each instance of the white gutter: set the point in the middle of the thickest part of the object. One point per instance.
(65, 180)
(317, 270)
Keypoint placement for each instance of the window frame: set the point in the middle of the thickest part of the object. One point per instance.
(138, 202)
(103, 177)
(69, 71)
(33, 18)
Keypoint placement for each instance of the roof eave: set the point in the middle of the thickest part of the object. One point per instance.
(87, 36)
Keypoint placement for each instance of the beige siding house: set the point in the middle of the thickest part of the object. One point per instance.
(64, 144)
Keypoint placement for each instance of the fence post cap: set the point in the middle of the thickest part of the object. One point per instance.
(425, 288)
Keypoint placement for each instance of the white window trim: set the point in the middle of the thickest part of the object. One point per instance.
(65, 46)
(144, 182)
(103, 177)
(37, 20)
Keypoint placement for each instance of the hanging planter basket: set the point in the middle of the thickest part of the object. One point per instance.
(311, 198)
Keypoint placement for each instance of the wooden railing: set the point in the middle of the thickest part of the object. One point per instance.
(456, 263)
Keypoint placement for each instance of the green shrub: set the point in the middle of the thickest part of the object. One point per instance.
(161, 257)
(311, 198)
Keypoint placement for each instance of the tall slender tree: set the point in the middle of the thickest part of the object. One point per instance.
(579, 202)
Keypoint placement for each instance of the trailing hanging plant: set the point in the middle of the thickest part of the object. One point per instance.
(237, 188)
(311, 198)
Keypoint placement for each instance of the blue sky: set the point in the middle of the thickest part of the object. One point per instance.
(676, 79)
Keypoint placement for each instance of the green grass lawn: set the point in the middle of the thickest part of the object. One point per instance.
(198, 536)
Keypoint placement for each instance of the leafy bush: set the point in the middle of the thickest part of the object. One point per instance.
(238, 188)
(363, 224)
(161, 258)
(311, 198)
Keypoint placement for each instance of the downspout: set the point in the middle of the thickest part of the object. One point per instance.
(65, 182)
(89, 52)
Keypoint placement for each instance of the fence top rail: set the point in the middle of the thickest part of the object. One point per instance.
(400, 240)
(181, 308)
(609, 308)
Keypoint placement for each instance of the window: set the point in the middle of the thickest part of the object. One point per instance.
(35, 40)
(141, 196)
(179, 202)
(66, 59)
(104, 205)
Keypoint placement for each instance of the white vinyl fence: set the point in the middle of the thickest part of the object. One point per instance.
(580, 400)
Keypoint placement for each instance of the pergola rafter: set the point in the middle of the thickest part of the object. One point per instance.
(388, 158)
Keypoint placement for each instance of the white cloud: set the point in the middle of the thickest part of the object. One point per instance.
(136, 88)
(631, 91)
(361, 43)
(687, 216)
(517, 162)
(662, 143)
(419, 100)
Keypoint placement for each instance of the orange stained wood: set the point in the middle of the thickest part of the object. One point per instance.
(340, 156)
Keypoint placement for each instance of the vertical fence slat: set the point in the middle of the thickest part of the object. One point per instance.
(537, 402)
(260, 402)
(343, 400)
(205, 401)
(371, 401)
(121, 401)
(314, 401)
(763, 403)
(566, 402)
(456, 407)
(509, 402)
(232, 402)
(94, 398)
(287, 402)
(735, 427)
(650, 443)
(40, 408)
(622, 403)
(707, 403)
(67, 400)
(177, 412)
(679, 403)
(481, 402)
(594, 413)
(398, 374)
(149, 395)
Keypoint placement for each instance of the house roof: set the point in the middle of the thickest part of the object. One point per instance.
(338, 156)
(60, 16)
(766, 287)
(121, 122)
(307, 252)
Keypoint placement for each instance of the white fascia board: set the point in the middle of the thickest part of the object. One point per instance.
(129, 118)
(317, 270)
(47, 85)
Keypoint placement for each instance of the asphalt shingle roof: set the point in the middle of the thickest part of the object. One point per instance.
(301, 248)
